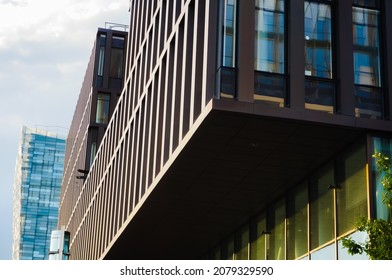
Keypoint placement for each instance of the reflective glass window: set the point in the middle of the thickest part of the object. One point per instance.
(297, 222)
(67, 239)
(227, 76)
(367, 3)
(318, 40)
(368, 102)
(215, 253)
(228, 249)
(382, 145)
(226, 73)
(270, 88)
(352, 191)
(367, 64)
(326, 253)
(359, 237)
(277, 228)
(229, 32)
(103, 102)
(101, 59)
(321, 207)
(258, 234)
(269, 52)
(269, 32)
(93, 151)
(366, 47)
(242, 252)
(320, 95)
(116, 63)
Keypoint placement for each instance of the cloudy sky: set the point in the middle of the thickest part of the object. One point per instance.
(44, 50)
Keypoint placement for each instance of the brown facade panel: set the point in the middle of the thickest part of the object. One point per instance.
(175, 158)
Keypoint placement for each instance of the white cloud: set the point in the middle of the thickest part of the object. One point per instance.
(45, 46)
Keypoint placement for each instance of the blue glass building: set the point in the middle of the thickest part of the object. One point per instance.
(38, 175)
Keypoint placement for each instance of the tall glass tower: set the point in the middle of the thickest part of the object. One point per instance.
(38, 175)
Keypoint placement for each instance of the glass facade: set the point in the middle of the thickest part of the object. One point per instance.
(39, 172)
(226, 72)
(318, 40)
(116, 63)
(269, 32)
(297, 222)
(367, 64)
(101, 59)
(258, 238)
(310, 221)
(352, 191)
(276, 221)
(382, 145)
(270, 52)
(322, 212)
(319, 87)
(322, 77)
(229, 32)
(103, 108)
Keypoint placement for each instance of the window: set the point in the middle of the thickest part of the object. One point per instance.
(322, 211)
(101, 59)
(242, 243)
(318, 40)
(351, 194)
(297, 222)
(116, 63)
(319, 89)
(229, 32)
(270, 51)
(382, 145)
(103, 102)
(228, 249)
(367, 65)
(310, 221)
(258, 235)
(276, 221)
(358, 236)
(226, 73)
(269, 32)
(93, 151)
(326, 253)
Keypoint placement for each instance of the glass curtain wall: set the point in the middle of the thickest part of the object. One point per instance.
(103, 107)
(258, 238)
(276, 220)
(352, 191)
(101, 59)
(270, 52)
(242, 250)
(367, 65)
(382, 145)
(116, 63)
(227, 71)
(297, 222)
(309, 222)
(319, 85)
(322, 210)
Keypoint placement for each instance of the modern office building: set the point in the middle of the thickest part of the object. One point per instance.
(245, 130)
(37, 185)
(98, 97)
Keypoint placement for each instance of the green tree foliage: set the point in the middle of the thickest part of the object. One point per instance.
(379, 244)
